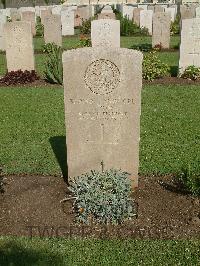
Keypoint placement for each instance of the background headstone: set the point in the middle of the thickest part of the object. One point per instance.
(105, 32)
(29, 16)
(3, 20)
(190, 44)
(19, 46)
(106, 16)
(146, 17)
(136, 16)
(161, 29)
(187, 12)
(67, 20)
(102, 109)
(52, 30)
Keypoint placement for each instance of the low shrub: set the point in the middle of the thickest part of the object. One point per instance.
(84, 41)
(19, 77)
(53, 66)
(86, 26)
(189, 180)
(48, 48)
(153, 68)
(103, 197)
(39, 28)
(175, 26)
(128, 28)
(144, 47)
(192, 73)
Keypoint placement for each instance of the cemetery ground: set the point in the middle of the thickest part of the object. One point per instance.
(33, 158)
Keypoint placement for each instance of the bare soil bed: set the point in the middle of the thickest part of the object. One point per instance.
(30, 206)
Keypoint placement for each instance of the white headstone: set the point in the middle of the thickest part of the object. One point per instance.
(67, 21)
(146, 17)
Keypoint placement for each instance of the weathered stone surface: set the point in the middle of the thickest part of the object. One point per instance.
(128, 11)
(172, 12)
(15, 15)
(158, 8)
(102, 109)
(105, 32)
(19, 46)
(187, 12)
(52, 29)
(29, 16)
(151, 7)
(81, 14)
(3, 20)
(67, 21)
(107, 9)
(106, 16)
(146, 17)
(136, 16)
(190, 44)
(44, 13)
(161, 29)
(198, 12)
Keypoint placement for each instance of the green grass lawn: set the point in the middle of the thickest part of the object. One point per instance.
(32, 117)
(31, 252)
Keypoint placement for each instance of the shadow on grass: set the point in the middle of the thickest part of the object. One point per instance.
(12, 253)
(175, 187)
(174, 71)
(58, 144)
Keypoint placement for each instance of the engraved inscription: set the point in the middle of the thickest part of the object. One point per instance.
(102, 77)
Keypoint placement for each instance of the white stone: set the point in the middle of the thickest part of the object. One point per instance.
(67, 21)
(146, 17)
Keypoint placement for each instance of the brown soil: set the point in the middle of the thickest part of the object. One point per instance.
(30, 206)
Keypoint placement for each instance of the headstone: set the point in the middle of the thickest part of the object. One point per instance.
(15, 15)
(158, 8)
(107, 9)
(3, 20)
(30, 16)
(81, 14)
(161, 30)
(106, 16)
(67, 20)
(44, 13)
(52, 30)
(56, 10)
(187, 12)
(190, 44)
(102, 110)
(172, 12)
(151, 7)
(144, 7)
(19, 46)
(198, 12)
(136, 16)
(128, 11)
(146, 17)
(105, 32)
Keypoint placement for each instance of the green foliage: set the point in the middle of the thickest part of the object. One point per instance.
(86, 26)
(191, 72)
(103, 197)
(84, 42)
(189, 180)
(48, 48)
(53, 66)
(39, 28)
(144, 47)
(175, 26)
(128, 28)
(153, 68)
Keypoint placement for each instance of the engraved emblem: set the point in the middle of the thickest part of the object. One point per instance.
(102, 77)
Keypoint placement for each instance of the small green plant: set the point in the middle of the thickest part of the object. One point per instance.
(189, 180)
(53, 66)
(103, 197)
(86, 26)
(153, 68)
(192, 73)
(39, 28)
(175, 26)
(128, 28)
(144, 47)
(84, 42)
(48, 48)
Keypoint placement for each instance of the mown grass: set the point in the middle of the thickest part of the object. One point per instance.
(35, 251)
(32, 117)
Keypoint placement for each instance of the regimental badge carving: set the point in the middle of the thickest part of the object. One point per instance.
(102, 77)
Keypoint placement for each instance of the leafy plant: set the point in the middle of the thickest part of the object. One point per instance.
(153, 68)
(84, 42)
(128, 28)
(39, 28)
(189, 180)
(103, 197)
(86, 26)
(19, 77)
(175, 26)
(144, 47)
(191, 72)
(53, 66)
(48, 47)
